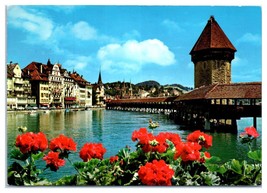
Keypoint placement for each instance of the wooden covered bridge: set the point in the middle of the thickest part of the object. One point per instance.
(213, 107)
(152, 105)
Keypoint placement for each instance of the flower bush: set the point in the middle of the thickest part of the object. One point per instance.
(53, 161)
(158, 160)
(156, 173)
(92, 150)
(31, 142)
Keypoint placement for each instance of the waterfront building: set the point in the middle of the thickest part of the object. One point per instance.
(55, 87)
(19, 94)
(69, 89)
(82, 90)
(99, 92)
(39, 83)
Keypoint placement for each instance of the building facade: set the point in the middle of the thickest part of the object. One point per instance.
(19, 95)
(55, 87)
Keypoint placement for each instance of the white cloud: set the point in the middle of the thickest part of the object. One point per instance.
(133, 55)
(171, 25)
(82, 30)
(78, 62)
(250, 38)
(31, 21)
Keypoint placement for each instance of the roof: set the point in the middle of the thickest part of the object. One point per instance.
(212, 37)
(247, 90)
(10, 69)
(34, 71)
(144, 100)
(79, 79)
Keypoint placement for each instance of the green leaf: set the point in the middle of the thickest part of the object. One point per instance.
(44, 182)
(216, 168)
(37, 156)
(16, 154)
(124, 153)
(236, 166)
(210, 179)
(212, 160)
(66, 180)
(255, 155)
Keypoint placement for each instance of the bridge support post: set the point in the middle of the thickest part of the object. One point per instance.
(255, 122)
(234, 126)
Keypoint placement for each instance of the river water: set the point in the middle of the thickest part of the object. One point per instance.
(113, 129)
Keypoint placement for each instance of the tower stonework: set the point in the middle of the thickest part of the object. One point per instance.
(212, 55)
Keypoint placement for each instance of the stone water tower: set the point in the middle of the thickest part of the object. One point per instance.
(212, 55)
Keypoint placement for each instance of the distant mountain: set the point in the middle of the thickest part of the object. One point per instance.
(149, 83)
(123, 89)
(179, 86)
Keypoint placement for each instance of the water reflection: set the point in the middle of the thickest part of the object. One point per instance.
(98, 126)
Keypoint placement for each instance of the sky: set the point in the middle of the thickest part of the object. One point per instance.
(131, 43)
(86, 38)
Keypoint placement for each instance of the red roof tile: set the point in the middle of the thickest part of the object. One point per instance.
(144, 100)
(225, 91)
(212, 37)
(34, 71)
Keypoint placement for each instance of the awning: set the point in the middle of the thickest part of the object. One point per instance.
(70, 98)
(44, 104)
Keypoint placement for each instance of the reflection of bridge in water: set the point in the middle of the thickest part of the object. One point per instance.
(213, 107)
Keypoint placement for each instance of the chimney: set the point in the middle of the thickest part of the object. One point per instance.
(41, 68)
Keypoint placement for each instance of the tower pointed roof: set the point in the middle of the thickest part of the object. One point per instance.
(212, 37)
(99, 78)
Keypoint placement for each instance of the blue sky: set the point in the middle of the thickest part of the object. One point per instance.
(131, 43)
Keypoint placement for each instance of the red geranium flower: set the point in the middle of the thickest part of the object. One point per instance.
(30, 142)
(62, 143)
(53, 161)
(113, 159)
(174, 138)
(204, 157)
(150, 143)
(201, 138)
(251, 131)
(92, 150)
(157, 173)
(188, 151)
(142, 135)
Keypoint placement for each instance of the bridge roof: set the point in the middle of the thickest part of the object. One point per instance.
(247, 90)
(144, 100)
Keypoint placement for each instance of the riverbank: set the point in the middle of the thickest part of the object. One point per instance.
(54, 110)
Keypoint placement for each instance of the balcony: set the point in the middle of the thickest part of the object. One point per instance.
(22, 101)
(18, 81)
(18, 89)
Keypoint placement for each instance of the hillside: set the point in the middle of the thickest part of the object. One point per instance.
(148, 88)
(149, 83)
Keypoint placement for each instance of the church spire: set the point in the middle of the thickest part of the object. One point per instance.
(99, 78)
(48, 62)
